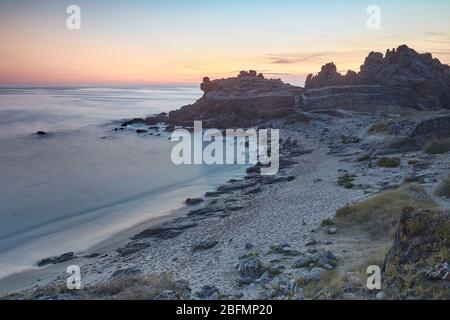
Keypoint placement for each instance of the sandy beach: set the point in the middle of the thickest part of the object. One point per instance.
(257, 216)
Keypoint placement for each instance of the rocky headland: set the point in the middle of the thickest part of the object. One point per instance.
(402, 80)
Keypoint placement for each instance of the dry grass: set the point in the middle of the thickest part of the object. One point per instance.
(437, 146)
(443, 189)
(387, 162)
(376, 258)
(148, 287)
(328, 287)
(379, 214)
(134, 287)
(380, 126)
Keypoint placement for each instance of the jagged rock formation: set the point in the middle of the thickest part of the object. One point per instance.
(245, 100)
(402, 77)
(402, 80)
(328, 76)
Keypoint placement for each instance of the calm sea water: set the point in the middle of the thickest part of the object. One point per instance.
(83, 182)
(65, 108)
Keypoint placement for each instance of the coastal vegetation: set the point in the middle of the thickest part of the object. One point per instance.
(379, 214)
(437, 146)
(443, 189)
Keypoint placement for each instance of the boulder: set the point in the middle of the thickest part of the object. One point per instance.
(250, 269)
(204, 245)
(193, 201)
(417, 264)
(208, 292)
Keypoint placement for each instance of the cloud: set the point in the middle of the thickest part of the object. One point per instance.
(291, 58)
(286, 74)
(437, 34)
(438, 37)
(281, 61)
(440, 51)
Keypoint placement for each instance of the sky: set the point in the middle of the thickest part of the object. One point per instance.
(181, 41)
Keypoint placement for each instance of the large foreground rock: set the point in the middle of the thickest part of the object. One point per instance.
(418, 263)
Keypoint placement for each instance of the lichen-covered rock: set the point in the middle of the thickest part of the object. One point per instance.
(417, 264)
(250, 269)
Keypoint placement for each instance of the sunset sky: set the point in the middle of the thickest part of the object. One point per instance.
(180, 41)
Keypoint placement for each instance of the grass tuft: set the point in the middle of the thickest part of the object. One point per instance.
(443, 189)
(437, 146)
(387, 162)
(379, 215)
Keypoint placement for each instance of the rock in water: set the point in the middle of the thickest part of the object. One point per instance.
(193, 201)
(58, 259)
(242, 101)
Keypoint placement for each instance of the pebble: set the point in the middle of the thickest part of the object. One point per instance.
(380, 295)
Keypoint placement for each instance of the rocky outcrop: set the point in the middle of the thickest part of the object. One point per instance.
(242, 101)
(361, 98)
(402, 77)
(58, 259)
(438, 126)
(328, 76)
(417, 264)
(401, 80)
(412, 132)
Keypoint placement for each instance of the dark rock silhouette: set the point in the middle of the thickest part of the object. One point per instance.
(401, 77)
(245, 100)
(401, 80)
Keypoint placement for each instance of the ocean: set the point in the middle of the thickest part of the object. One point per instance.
(83, 182)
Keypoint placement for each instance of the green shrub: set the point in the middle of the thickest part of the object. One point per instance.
(437, 146)
(379, 214)
(443, 189)
(346, 180)
(327, 222)
(387, 162)
(380, 126)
